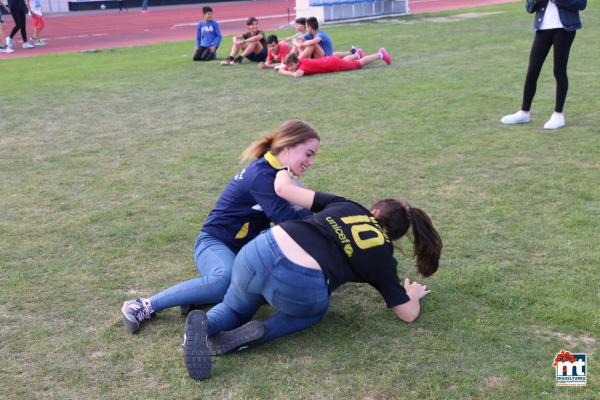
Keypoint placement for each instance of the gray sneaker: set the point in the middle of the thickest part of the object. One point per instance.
(236, 339)
(135, 312)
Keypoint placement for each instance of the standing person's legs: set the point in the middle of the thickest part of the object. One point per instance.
(562, 41)
(2, 33)
(24, 26)
(39, 25)
(539, 50)
(3, 39)
(540, 47)
(16, 15)
(562, 48)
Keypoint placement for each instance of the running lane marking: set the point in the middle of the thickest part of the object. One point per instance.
(226, 21)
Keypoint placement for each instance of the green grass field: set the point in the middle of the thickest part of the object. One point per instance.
(110, 161)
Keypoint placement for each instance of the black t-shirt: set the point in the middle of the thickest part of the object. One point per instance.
(350, 246)
(263, 40)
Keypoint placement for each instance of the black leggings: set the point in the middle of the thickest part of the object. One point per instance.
(204, 54)
(561, 40)
(20, 23)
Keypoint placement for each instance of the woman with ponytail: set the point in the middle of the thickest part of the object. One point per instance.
(295, 265)
(247, 206)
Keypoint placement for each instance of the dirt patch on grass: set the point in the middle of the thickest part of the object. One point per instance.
(571, 341)
(495, 381)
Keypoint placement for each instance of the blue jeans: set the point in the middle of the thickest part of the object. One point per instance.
(261, 272)
(214, 261)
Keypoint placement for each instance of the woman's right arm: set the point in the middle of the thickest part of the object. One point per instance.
(288, 190)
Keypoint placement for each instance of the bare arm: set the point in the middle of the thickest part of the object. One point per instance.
(290, 191)
(255, 38)
(310, 42)
(296, 74)
(408, 312)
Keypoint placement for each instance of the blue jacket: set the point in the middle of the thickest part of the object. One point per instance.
(208, 34)
(568, 12)
(249, 204)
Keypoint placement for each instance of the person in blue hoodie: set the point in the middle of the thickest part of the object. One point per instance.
(247, 206)
(208, 37)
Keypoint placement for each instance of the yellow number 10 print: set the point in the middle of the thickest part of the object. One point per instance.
(361, 224)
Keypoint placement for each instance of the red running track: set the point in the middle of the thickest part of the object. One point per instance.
(81, 31)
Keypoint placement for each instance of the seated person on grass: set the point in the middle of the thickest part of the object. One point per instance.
(208, 37)
(317, 43)
(298, 37)
(277, 51)
(297, 68)
(251, 45)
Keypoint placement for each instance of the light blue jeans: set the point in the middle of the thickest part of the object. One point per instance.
(214, 261)
(261, 272)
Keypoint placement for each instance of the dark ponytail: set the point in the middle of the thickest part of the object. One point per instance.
(427, 244)
(396, 217)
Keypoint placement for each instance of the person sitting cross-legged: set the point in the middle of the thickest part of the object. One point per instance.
(251, 45)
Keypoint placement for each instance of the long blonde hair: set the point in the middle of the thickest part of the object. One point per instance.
(290, 134)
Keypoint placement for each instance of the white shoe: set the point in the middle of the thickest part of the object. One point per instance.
(520, 117)
(557, 120)
(6, 50)
(9, 42)
(28, 45)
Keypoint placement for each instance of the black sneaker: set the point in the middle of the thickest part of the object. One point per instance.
(236, 339)
(195, 349)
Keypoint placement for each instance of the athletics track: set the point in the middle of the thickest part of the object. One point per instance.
(90, 30)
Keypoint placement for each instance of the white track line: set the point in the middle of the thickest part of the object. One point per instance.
(226, 21)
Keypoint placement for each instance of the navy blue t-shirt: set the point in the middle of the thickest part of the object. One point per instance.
(350, 246)
(249, 204)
